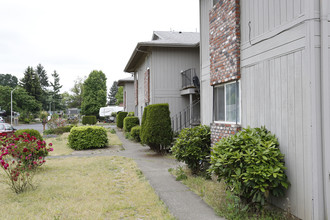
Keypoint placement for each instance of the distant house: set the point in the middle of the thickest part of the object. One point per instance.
(166, 70)
(128, 93)
(266, 63)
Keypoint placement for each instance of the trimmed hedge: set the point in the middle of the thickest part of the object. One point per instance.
(31, 132)
(193, 146)
(251, 164)
(156, 129)
(130, 122)
(87, 137)
(120, 119)
(135, 133)
(89, 120)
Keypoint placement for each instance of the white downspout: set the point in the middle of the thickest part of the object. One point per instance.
(325, 106)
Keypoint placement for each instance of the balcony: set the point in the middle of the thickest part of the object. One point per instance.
(190, 82)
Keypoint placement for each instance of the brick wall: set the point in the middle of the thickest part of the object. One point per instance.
(147, 86)
(225, 38)
(219, 130)
(225, 41)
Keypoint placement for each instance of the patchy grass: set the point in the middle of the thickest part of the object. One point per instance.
(85, 188)
(61, 148)
(114, 140)
(223, 202)
(60, 145)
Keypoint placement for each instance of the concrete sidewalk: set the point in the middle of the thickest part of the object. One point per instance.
(182, 202)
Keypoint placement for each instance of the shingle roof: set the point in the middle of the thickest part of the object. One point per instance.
(121, 82)
(163, 39)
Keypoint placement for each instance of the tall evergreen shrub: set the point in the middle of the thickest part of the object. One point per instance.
(156, 128)
(120, 119)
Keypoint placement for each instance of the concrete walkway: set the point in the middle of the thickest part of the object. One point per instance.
(182, 202)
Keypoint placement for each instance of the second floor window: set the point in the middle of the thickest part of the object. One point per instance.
(226, 103)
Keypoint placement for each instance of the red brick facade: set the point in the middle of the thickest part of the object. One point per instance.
(147, 86)
(224, 54)
(219, 131)
(225, 41)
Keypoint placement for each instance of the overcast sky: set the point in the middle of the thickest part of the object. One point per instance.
(75, 37)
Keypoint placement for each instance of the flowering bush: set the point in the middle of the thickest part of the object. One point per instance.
(56, 123)
(19, 157)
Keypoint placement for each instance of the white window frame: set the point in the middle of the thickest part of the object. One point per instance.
(240, 103)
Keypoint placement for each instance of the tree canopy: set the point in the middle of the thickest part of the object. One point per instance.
(120, 96)
(8, 80)
(55, 91)
(112, 93)
(94, 93)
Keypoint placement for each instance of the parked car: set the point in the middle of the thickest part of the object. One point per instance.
(2, 120)
(6, 129)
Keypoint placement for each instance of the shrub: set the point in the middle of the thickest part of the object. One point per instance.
(55, 122)
(120, 119)
(89, 120)
(251, 164)
(59, 130)
(135, 133)
(130, 114)
(19, 157)
(87, 137)
(113, 131)
(156, 128)
(130, 122)
(193, 146)
(31, 132)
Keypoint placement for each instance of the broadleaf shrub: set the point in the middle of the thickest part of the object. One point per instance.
(251, 164)
(20, 156)
(193, 146)
(135, 133)
(31, 132)
(56, 122)
(120, 119)
(87, 137)
(59, 130)
(130, 122)
(156, 129)
(89, 120)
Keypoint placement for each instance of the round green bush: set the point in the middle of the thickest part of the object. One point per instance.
(193, 146)
(156, 128)
(31, 132)
(251, 164)
(87, 137)
(89, 120)
(130, 122)
(120, 119)
(135, 133)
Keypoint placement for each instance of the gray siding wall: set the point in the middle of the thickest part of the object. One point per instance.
(144, 64)
(206, 89)
(129, 89)
(281, 81)
(165, 75)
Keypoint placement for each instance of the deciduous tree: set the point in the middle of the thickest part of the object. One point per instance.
(94, 93)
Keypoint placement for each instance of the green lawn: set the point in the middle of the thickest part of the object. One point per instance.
(109, 187)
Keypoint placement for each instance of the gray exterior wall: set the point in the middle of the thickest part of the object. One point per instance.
(165, 66)
(165, 75)
(129, 89)
(282, 89)
(206, 88)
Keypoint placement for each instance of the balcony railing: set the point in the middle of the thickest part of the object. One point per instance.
(187, 78)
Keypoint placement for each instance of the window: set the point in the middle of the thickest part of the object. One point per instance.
(226, 103)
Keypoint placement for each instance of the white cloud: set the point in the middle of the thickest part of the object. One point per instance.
(75, 37)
